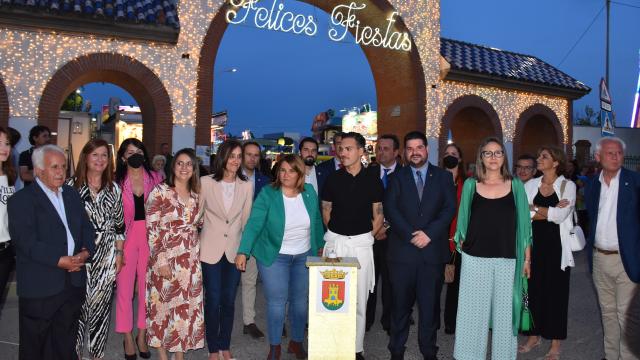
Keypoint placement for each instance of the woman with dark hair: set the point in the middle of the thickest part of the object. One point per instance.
(102, 199)
(7, 182)
(493, 235)
(285, 227)
(226, 200)
(174, 278)
(551, 201)
(135, 177)
(38, 135)
(452, 162)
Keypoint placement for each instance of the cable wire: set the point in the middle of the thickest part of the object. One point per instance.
(581, 36)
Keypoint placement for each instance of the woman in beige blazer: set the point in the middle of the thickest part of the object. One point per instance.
(226, 201)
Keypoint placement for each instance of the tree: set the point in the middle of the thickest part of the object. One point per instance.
(588, 117)
(73, 102)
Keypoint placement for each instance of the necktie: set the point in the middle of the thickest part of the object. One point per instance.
(385, 179)
(419, 184)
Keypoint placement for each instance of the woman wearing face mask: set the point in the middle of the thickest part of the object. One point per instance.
(135, 177)
(452, 162)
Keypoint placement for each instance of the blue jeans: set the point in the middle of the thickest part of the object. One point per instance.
(286, 279)
(220, 285)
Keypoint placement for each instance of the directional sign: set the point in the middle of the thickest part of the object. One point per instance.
(607, 123)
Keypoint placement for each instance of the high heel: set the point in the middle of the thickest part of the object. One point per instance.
(127, 356)
(143, 354)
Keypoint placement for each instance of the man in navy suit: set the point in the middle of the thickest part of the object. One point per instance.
(54, 238)
(419, 205)
(326, 168)
(613, 205)
(251, 155)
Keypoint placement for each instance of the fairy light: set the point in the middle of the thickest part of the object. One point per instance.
(30, 58)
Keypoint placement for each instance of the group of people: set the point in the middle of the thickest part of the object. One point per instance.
(183, 243)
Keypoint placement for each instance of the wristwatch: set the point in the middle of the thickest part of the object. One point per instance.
(535, 208)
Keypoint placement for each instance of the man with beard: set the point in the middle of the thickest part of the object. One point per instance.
(419, 205)
(309, 153)
(352, 212)
(251, 155)
(387, 148)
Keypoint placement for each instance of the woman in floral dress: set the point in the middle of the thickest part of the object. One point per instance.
(174, 279)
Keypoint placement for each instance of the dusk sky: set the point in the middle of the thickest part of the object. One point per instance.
(284, 80)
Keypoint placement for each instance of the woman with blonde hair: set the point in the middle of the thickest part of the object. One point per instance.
(493, 234)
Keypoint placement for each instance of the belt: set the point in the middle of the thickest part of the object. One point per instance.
(606, 252)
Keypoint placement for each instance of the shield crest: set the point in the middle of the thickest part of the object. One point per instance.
(333, 294)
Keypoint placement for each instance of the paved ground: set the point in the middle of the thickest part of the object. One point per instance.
(584, 342)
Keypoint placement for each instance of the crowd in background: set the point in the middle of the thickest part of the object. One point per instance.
(171, 241)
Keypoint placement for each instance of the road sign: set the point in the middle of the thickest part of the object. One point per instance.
(604, 92)
(605, 106)
(607, 123)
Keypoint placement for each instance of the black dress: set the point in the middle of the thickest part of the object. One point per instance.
(548, 285)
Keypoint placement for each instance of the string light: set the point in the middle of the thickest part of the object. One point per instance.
(30, 58)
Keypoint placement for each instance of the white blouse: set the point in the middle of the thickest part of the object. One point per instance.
(297, 227)
(228, 190)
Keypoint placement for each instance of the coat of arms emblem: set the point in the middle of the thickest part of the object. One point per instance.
(333, 289)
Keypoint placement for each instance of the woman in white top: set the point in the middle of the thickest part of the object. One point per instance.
(551, 201)
(7, 182)
(284, 228)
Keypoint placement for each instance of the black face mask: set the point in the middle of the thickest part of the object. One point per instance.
(450, 162)
(135, 160)
(309, 161)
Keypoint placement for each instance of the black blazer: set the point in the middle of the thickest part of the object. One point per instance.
(323, 170)
(40, 239)
(405, 214)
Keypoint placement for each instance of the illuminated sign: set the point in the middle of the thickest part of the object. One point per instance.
(365, 123)
(343, 19)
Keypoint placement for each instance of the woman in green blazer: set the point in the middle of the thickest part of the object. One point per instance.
(285, 227)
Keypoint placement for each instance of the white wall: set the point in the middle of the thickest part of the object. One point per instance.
(630, 136)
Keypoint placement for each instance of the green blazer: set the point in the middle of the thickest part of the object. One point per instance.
(263, 234)
(523, 235)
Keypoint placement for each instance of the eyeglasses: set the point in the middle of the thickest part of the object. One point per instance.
(496, 154)
(184, 164)
(520, 167)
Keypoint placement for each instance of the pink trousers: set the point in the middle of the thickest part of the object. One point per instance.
(136, 258)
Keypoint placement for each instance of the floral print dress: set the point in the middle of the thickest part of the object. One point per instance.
(175, 319)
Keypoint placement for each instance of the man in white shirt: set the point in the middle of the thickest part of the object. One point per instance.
(387, 149)
(613, 204)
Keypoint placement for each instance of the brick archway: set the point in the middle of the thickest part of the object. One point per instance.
(4, 105)
(534, 128)
(126, 72)
(473, 110)
(398, 75)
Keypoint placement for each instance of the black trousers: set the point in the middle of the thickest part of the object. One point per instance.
(7, 264)
(411, 282)
(48, 326)
(451, 299)
(381, 275)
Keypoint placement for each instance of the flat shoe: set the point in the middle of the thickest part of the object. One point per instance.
(552, 356)
(523, 349)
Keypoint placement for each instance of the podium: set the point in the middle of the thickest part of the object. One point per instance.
(332, 308)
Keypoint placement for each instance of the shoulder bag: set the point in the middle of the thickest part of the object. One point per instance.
(577, 240)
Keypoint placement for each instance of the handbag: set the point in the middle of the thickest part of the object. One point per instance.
(450, 270)
(526, 321)
(577, 240)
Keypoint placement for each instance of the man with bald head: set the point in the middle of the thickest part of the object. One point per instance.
(54, 239)
(613, 205)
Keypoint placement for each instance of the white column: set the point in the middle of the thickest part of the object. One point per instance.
(509, 147)
(433, 150)
(184, 136)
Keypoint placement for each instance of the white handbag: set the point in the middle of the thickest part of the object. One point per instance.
(577, 240)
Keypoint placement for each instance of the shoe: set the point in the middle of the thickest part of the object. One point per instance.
(274, 352)
(297, 349)
(253, 330)
(523, 349)
(143, 354)
(359, 356)
(397, 356)
(127, 356)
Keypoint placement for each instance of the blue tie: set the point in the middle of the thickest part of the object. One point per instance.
(385, 179)
(419, 184)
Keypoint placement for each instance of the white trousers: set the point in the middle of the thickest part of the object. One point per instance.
(360, 247)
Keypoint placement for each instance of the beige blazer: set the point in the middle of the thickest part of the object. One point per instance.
(222, 231)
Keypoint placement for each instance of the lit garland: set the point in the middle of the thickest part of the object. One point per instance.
(508, 104)
(29, 60)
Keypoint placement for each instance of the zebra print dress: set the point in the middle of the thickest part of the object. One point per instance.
(106, 214)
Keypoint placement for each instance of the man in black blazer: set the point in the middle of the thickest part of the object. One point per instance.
(419, 205)
(326, 168)
(54, 239)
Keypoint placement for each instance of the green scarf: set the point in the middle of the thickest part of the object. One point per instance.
(523, 236)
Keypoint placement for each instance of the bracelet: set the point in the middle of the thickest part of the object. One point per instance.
(119, 252)
(527, 261)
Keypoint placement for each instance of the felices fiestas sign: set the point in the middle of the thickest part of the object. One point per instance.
(343, 19)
